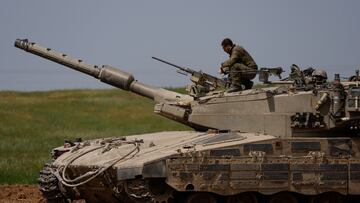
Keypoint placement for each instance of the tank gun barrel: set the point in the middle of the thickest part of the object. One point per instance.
(57, 57)
(106, 73)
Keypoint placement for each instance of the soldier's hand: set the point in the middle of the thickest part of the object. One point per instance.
(221, 71)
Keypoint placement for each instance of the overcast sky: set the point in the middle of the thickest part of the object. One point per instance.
(125, 34)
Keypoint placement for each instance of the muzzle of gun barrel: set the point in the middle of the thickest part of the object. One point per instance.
(22, 44)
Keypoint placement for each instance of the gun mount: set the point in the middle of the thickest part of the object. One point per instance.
(297, 142)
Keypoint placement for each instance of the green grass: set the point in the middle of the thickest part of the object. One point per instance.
(33, 123)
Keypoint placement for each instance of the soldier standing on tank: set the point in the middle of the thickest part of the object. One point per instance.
(240, 67)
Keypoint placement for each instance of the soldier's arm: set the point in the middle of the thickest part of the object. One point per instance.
(235, 57)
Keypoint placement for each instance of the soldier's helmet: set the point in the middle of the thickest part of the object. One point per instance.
(319, 76)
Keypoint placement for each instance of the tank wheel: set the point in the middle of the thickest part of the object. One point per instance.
(49, 186)
(283, 197)
(201, 198)
(246, 197)
(331, 197)
(163, 195)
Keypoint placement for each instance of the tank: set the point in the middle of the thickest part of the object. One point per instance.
(291, 140)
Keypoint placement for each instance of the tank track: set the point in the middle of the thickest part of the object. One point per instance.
(145, 191)
(49, 185)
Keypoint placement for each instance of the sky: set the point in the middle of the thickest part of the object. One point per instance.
(125, 34)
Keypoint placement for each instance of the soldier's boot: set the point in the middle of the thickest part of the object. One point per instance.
(234, 88)
(248, 84)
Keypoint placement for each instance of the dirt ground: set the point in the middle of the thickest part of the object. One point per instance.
(22, 194)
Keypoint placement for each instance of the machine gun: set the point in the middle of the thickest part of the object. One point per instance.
(198, 77)
(265, 73)
(203, 82)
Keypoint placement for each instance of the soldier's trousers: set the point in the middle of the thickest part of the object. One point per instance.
(240, 74)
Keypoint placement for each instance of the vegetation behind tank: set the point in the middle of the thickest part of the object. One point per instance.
(35, 122)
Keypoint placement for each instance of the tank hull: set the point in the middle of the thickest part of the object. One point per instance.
(224, 165)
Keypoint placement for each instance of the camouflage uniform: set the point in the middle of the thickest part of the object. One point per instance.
(241, 67)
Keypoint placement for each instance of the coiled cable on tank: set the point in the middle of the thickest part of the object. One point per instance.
(61, 176)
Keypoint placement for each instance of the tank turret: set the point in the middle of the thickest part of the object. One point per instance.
(310, 106)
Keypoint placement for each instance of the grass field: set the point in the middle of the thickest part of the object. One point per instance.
(33, 123)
